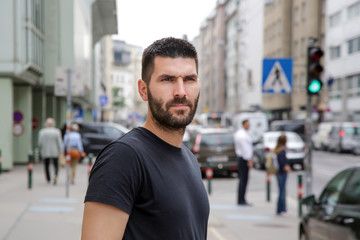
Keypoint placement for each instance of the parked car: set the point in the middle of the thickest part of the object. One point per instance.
(295, 153)
(336, 213)
(297, 126)
(214, 146)
(95, 136)
(344, 136)
(320, 139)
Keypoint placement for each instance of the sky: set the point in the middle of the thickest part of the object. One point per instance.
(141, 22)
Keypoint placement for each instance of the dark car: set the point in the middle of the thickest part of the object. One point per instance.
(336, 214)
(214, 147)
(95, 136)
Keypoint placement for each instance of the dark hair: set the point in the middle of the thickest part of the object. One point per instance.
(166, 47)
(281, 142)
(244, 121)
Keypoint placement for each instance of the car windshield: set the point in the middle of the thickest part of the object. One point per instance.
(349, 131)
(290, 138)
(222, 139)
(290, 127)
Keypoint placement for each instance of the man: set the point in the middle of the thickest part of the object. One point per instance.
(244, 152)
(147, 184)
(50, 143)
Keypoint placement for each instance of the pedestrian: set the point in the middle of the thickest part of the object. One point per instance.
(244, 153)
(50, 146)
(281, 175)
(76, 149)
(147, 184)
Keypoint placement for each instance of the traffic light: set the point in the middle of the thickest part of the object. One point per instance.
(314, 70)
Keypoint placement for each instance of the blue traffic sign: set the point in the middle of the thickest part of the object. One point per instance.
(277, 75)
(103, 99)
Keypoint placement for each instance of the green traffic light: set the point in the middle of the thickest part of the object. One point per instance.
(314, 86)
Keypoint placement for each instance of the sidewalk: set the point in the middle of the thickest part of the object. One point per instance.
(229, 221)
(44, 212)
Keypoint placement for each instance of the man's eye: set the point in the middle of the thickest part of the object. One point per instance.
(166, 79)
(190, 79)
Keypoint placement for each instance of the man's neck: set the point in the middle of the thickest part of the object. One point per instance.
(172, 137)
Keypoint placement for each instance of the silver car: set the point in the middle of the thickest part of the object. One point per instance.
(295, 149)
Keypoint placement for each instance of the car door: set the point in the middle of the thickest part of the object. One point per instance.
(321, 214)
(345, 222)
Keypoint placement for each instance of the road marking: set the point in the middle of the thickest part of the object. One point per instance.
(59, 209)
(216, 234)
(227, 207)
(58, 200)
(249, 217)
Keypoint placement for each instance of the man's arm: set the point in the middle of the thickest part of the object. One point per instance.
(103, 221)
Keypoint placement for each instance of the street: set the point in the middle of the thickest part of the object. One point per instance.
(44, 212)
(260, 222)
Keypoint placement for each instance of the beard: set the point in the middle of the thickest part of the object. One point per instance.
(165, 119)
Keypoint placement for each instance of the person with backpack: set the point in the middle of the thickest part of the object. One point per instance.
(281, 175)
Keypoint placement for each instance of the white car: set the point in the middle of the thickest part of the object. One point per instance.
(295, 148)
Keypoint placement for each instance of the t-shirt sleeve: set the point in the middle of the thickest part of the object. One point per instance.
(115, 178)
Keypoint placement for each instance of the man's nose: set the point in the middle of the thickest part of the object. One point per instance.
(179, 88)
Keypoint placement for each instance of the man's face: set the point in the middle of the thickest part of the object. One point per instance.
(173, 92)
(246, 125)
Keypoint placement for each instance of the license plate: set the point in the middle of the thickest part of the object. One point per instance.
(219, 159)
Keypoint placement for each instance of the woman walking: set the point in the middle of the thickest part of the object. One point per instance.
(281, 176)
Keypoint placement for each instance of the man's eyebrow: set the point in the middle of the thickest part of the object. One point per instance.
(173, 76)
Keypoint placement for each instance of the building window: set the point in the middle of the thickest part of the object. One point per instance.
(335, 19)
(335, 89)
(353, 85)
(35, 33)
(335, 52)
(297, 15)
(303, 11)
(353, 10)
(354, 45)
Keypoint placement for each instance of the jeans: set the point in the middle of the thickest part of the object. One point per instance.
(281, 205)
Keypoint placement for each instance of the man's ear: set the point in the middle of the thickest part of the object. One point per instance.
(142, 88)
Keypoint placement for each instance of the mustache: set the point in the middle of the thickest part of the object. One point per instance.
(182, 100)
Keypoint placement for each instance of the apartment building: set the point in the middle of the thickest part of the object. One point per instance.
(38, 37)
(211, 46)
(243, 55)
(288, 26)
(126, 71)
(342, 59)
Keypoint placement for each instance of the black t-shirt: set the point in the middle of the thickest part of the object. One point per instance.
(159, 185)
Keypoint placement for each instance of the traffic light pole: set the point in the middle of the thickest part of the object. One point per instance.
(308, 162)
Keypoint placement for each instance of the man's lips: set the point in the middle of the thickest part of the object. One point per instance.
(180, 106)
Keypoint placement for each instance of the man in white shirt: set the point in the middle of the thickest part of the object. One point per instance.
(244, 153)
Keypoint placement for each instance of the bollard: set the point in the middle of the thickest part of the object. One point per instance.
(0, 162)
(209, 174)
(30, 169)
(300, 194)
(90, 163)
(268, 186)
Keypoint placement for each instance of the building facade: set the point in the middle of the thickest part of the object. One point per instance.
(343, 55)
(288, 26)
(38, 37)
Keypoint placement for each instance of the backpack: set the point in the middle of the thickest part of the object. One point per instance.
(271, 163)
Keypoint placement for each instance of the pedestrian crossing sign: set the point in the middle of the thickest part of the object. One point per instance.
(277, 75)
